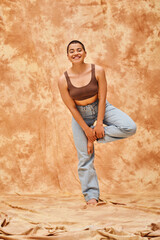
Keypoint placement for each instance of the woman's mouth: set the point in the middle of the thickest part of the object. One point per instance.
(76, 57)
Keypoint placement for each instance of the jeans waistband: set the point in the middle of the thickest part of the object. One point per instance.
(80, 107)
(88, 110)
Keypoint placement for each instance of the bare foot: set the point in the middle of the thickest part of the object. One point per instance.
(92, 202)
(90, 147)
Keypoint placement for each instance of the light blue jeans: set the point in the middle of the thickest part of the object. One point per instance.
(118, 126)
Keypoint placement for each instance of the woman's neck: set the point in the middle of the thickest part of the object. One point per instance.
(79, 68)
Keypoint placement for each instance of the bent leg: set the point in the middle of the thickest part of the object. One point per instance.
(86, 170)
(119, 124)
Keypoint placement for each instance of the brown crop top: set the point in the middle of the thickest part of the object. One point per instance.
(87, 91)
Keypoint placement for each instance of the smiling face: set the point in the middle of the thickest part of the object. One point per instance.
(76, 53)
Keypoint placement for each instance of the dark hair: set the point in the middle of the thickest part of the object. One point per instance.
(75, 41)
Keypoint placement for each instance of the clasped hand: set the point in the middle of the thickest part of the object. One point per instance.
(93, 134)
(99, 130)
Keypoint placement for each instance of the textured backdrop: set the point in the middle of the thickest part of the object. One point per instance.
(37, 152)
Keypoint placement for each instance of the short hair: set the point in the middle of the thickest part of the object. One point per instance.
(75, 41)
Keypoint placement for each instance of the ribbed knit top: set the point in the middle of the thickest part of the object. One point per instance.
(87, 91)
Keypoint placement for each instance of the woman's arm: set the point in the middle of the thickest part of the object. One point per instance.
(62, 84)
(102, 93)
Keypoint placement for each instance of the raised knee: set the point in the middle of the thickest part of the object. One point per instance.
(132, 128)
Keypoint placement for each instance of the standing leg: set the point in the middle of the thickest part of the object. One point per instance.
(119, 124)
(86, 170)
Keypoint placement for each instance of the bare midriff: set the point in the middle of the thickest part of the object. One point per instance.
(86, 101)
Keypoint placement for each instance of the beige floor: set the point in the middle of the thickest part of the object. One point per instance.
(66, 216)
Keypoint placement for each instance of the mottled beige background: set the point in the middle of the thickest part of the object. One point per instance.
(37, 153)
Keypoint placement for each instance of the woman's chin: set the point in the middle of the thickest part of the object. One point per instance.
(78, 61)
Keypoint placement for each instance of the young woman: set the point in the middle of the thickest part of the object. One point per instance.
(83, 89)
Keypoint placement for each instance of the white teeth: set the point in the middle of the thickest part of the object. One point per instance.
(76, 57)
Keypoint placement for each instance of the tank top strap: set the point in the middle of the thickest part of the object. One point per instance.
(68, 79)
(93, 70)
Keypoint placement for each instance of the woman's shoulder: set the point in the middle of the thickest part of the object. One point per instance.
(62, 80)
(62, 76)
(98, 67)
(99, 70)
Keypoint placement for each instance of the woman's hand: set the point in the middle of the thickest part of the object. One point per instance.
(90, 133)
(99, 130)
(90, 147)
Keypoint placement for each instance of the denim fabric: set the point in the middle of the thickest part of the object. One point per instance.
(118, 125)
